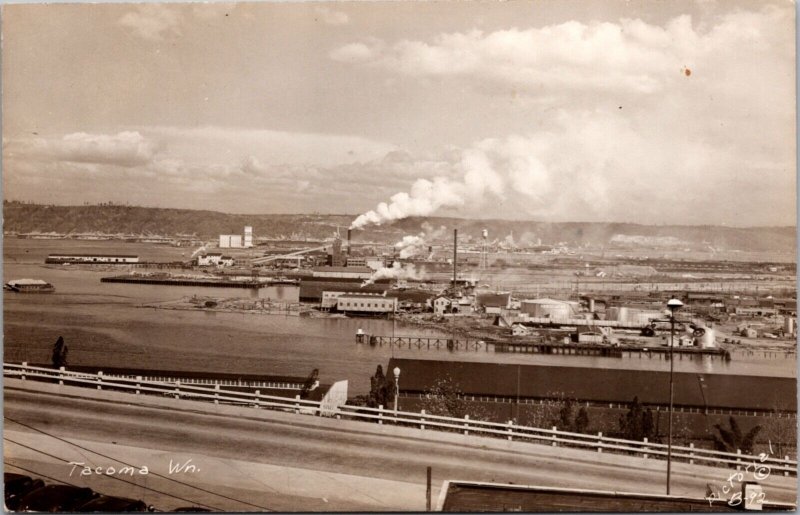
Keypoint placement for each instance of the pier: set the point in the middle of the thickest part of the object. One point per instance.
(567, 349)
(168, 281)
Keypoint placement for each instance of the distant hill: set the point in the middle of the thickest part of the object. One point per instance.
(115, 219)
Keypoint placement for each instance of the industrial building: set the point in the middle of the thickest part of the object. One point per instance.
(311, 288)
(493, 303)
(237, 241)
(601, 386)
(366, 304)
(214, 259)
(549, 308)
(91, 258)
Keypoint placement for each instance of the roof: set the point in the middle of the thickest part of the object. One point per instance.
(94, 255)
(363, 296)
(547, 301)
(353, 269)
(603, 385)
(493, 299)
(24, 282)
(213, 254)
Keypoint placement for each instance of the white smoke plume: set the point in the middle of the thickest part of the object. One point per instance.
(201, 248)
(412, 245)
(491, 168)
(396, 271)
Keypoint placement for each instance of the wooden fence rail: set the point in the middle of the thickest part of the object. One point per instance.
(423, 421)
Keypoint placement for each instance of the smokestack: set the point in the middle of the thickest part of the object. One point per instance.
(349, 233)
(455, 256)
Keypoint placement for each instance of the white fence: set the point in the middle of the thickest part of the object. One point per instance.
(423, 421)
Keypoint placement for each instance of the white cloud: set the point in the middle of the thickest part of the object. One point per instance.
(125, 149)
(630, 56)
(332, 17)
(152, 22)
(354, 53)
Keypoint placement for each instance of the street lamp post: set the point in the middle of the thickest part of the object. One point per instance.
(396, 386)
(673, 305)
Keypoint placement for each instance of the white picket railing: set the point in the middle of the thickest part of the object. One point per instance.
(422, 420)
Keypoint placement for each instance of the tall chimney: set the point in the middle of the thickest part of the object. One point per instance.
(349, 233)
(455, 257)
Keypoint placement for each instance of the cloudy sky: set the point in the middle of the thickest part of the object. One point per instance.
(641, 111)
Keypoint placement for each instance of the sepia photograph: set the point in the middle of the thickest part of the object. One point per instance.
(399, 256)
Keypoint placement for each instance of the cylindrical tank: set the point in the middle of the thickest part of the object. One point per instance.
(546, 308)
(704, 337)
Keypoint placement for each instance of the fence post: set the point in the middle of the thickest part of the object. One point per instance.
(380, 414)
(258, 399)
(99, 378)
(786, 472)
(645, 448)
(555, 436)
(24, 368)
(138, 384)
(738, 459)
(422, 418)
(510, 430)
(599, 441)
(216, 393)
(61, 375)
(296, 405)
(691, 453)
(466, 424)
(177, 389)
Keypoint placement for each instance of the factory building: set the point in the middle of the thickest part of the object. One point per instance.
(635, 316)
(237, 241)
(214, 259)
(549, 308)
(329, 299)
(493, 303)
(312, 288)
(366, 304)
(91, 258)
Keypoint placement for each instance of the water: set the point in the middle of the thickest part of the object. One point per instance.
(105, 325)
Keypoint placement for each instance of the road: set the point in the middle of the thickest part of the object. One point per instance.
(286, 464)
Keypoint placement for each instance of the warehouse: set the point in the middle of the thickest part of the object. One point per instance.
(366, 304)
(92, 258)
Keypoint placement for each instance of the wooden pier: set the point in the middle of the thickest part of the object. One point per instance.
(566, 349)
(168, 281)
(414, 342)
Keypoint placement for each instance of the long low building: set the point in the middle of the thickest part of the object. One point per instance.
(311, 288)
(602, 385)
(91, 258)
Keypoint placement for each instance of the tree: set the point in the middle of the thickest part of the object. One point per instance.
(446, 399)
(637, 424)
(582, 420)
(311, 381)
(381, 392)
(60, 353)
(731, 440)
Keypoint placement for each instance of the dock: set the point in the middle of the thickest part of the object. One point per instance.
(169, 281)
(567, 349)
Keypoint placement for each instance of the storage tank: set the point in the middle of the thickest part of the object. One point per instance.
(704, 337)
(546, 308)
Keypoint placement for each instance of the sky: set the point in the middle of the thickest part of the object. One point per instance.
(618, 111)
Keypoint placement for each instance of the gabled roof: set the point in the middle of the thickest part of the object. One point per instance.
(603, 385)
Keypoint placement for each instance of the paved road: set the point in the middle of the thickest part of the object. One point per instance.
(283, 465)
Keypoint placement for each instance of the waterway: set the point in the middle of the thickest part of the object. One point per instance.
(104, 324)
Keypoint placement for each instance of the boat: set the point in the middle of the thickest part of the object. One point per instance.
(29, 286)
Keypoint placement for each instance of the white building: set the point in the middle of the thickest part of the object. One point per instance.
(211, 259)
(248, 236)
(365, 303)
(230, 241)
(330, 299)
(442, 305)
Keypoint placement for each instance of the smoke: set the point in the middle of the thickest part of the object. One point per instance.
(396, 271)
(490, 169)
(412, 245)
(201, 248)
